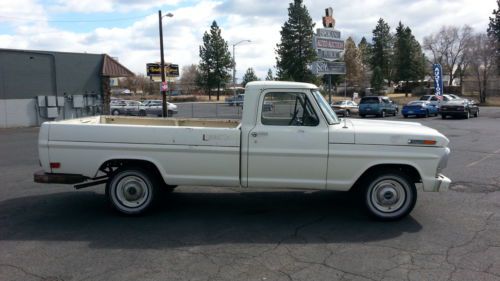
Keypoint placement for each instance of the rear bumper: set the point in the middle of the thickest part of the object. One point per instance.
(42, 177)
(442, 183)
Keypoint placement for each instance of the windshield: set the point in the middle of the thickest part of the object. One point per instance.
(369, 100)
(328, 112)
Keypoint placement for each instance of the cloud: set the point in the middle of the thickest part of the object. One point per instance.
(92, 6)
(259, 20)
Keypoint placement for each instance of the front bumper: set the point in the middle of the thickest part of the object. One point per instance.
(442, 183)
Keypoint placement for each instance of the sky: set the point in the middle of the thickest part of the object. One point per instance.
(128, 29)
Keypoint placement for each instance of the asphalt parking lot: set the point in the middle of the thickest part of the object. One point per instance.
(51, 232)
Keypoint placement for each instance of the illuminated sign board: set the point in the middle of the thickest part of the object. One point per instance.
(171, 70)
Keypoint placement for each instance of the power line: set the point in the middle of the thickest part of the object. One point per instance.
(71, 20)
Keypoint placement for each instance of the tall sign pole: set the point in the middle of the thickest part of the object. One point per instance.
(162, 71)
(438, 80)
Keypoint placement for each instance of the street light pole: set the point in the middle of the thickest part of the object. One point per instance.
(234, 67)
(162, 66)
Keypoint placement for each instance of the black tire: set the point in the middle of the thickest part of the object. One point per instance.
(347, 113)
(383, 114)
(132, 191)
(389, 195)
(476, 114)
(426, 114)
(362, 115)
(467, 115)
(115, 112)
(443, 116)
(405, 116)
(142, 112)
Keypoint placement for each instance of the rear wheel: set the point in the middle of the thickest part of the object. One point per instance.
(390, 195)
(142, 113)
(115, 112)
(467, 115)
(362, 115)
(405, 116)
(443, 116)
(347, 113)
(132, 191)
(476, 114)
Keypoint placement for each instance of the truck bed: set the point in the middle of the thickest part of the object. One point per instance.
(198, 151)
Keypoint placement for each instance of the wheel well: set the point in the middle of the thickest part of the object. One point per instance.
(409, 170)
(111, 166)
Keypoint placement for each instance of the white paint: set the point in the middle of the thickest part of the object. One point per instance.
(3, 114)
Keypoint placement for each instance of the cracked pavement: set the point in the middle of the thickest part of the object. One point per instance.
(56, 233)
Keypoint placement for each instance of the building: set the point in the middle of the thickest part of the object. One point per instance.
(37, 86)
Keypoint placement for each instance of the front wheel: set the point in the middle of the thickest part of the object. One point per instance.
(347, 113)
(131, 191)
(390, 195)
(115, 112)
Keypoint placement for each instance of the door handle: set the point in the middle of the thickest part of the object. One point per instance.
(256, 134)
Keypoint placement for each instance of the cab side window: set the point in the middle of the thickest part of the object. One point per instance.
(289, 109)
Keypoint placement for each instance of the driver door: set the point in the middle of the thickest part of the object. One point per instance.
(288, 147)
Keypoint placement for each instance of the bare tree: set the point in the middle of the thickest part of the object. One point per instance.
(448, 46)
(188, 78)
(481, 57)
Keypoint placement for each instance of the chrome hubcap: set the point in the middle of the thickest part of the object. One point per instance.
(388, 196)
(132, 191)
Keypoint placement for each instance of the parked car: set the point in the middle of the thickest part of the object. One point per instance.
(378, 106)
(238, 100)
(118, 107)
(345, 108)
(435, 100)
(419, 109)
(155, 107)
(462, 108)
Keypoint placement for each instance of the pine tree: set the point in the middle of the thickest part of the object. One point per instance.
(206, 79)
(269, 76)
(377, 79)
(249, 77)
(408, 60)
(295, 52)
(215, 60)
(381, 51)
(494, 32)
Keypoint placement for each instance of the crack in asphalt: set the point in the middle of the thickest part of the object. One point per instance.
(19, 268)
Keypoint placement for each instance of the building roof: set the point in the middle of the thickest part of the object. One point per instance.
(112, 68)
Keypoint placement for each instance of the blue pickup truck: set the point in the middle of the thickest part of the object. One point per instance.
(377, 106)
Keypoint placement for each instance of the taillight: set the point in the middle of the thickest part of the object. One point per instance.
(55, 165)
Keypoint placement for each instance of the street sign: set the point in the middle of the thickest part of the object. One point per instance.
(328, 43)
(328, 33)
(164, 86)
(328, 67)
(171, 70)
(438, 80)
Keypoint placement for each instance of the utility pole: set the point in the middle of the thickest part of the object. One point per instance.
(162, 67)
(234, 67)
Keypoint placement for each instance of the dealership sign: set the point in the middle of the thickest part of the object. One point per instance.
(329, 48)
(438, 80)
(154, 69)
(328, 67)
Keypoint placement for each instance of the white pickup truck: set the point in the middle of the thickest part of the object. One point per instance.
(300, 143)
